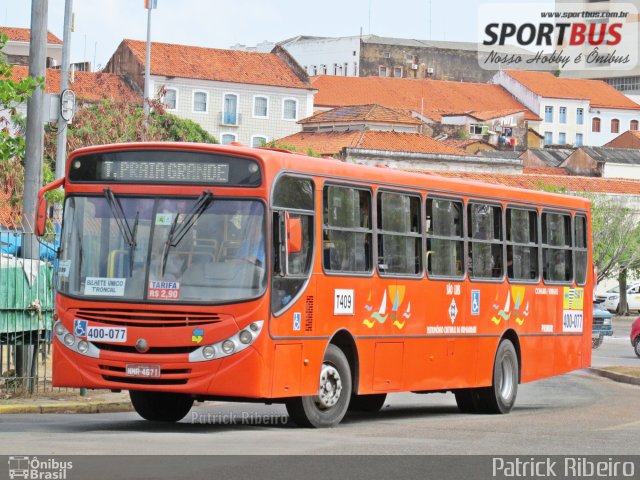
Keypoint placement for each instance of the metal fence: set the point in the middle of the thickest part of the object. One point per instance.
(26, 311)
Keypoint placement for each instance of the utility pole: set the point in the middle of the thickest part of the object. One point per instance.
(35, 122)
(147, 66)
(61, 150)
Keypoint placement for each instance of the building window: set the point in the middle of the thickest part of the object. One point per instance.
(548, 138)
(290, 109)
(595, 124)
(315, 70)
(346, 67)
(260, 107)
(324, 69)
(355, 69)
(633, 125)
(397, 71)
(548, 114)
(580, 116)
(387, 55)
(562, 138)
(477, 129)
(170, 99)
(579, 141)
(230, 109)
(382, 71)
(335, 69)
(200, 100)
(227, 138)
(563, 114)
(258, 141)
(615, 125)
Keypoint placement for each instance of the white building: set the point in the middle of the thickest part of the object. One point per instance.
(237, 96)
(573, 111)
(17, 48)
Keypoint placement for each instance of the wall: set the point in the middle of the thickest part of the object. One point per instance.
(606, 115)
(579, 163)
(619, 170)
(18, 53)
(272, 127)
(447, 64)
(326, 51)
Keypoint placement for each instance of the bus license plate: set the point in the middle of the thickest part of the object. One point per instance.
(135, 370)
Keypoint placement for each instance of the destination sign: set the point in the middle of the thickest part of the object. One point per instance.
(170, 167)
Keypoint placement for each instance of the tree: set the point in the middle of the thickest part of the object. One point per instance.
(12, 126)
(291, 148)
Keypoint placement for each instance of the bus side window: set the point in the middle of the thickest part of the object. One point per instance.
(522, 244)
(580, 226)
(556, 247)
(445, 253)
(485, 240)
(293, 197)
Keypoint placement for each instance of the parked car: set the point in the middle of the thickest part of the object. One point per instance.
(635, 336)
(613, 298)
(601, 326)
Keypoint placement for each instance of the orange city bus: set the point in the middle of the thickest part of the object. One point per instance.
(192, 272)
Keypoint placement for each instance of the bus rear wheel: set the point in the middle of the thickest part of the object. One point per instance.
(161, 406)
(367, 403)
(501, 395)
(328, 407)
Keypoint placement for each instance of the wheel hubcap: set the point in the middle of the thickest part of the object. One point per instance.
(506, 379)
(330, 387)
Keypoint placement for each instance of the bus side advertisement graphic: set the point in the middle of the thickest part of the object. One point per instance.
(573, 309)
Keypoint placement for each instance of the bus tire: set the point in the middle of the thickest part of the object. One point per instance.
(161, 406)
(597, 341)
(367, 403)
(329, 406)
(501, 395)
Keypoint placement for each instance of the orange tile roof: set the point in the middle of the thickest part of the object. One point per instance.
(362, 113)
(433, 98)
(201, 63)
(599, 93)
(331, 143)
(546, 171)
(571, 183)
(88, 86)
(24, 35)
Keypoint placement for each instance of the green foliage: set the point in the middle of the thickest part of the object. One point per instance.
(461, 134)
(552, 188)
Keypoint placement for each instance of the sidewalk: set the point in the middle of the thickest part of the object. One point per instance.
(96, 401)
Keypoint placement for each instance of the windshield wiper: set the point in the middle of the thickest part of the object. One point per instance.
(178, 231)
(126, 231)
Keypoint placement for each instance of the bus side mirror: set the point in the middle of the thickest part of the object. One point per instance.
(294, 235)
(41, 216)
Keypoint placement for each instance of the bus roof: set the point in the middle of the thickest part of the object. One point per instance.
(276, 160)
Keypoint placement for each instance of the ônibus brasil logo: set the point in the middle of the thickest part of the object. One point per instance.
(571, 37)
(38, 469)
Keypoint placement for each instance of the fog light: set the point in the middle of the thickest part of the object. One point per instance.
(69, 339)
(208, 352)
(228, 347)
(59, 328)
(245, 337)
(254, 327)
(83, 346)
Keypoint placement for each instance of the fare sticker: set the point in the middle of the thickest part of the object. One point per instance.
(159, 290)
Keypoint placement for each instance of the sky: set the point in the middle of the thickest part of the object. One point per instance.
(100, 25)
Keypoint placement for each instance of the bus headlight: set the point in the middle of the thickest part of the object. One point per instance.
(229, 346)
(74, 343)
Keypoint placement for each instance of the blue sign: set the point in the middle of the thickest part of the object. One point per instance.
(475, 302)
(80, 328)
(297, 317)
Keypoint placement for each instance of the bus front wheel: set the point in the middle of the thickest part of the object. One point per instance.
(161, 406)
(329, 406)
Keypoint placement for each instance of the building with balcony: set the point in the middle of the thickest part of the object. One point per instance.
(237, 96)
(17, 48)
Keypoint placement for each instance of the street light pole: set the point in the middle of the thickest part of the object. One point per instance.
(147, 66)
(61, 150)
(35, 122)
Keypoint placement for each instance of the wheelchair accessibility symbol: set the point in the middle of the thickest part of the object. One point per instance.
(475, 302)
(80, 328)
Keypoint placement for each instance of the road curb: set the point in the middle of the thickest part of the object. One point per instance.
(68, 407)
(618, 377)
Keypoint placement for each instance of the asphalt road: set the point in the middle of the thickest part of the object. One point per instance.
(617, 349)
(575, 413)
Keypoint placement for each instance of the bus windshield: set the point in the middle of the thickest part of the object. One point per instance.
(199, 249)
